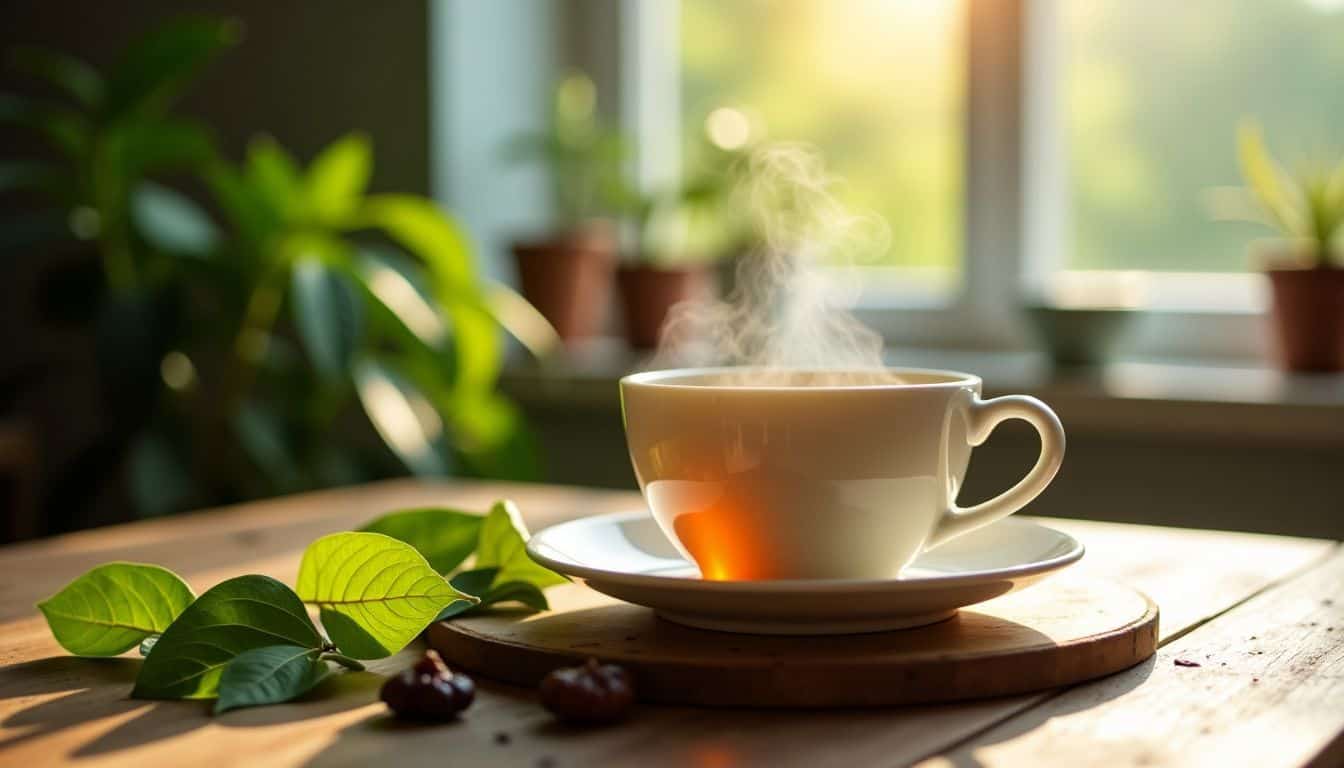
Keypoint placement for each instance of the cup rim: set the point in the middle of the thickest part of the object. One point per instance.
(660, 379)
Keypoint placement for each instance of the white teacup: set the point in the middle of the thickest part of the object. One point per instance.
(770, 474)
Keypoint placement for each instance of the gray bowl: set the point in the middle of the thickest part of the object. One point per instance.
(1079, 336)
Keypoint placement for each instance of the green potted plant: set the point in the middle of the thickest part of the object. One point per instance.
(106, 141)
(682, 234)
(320, 301)
(323, 335)
(1304, 264)
(680, 238)
(566, 274)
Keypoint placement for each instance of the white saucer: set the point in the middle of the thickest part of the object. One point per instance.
(626, 556)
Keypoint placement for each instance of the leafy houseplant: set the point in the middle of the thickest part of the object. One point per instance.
(413, 341)
(103, 137)
(248, 350)
(1305, 267)
(567, 273)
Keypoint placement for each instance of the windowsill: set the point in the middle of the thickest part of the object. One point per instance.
(1181, 398)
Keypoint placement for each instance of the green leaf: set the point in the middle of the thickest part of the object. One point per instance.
(113, 607)
(420, 227)
(445, 537)
(399, 298)
(239, 615)
(154, 145)
(481, 582)
(147, 645)
(503, 544)
(517, 592)
(73, 76)
(404, 418)
(172, 222)
(473, 582)
(502, 447)
(250, 214)
(376, 594)
(66, 130)
(153, 70)
(273, 178)
(326, 314)
(523, 321)
(270, 675)
(476, 581)
(337, 178)
(1268, 181)
(261, 431)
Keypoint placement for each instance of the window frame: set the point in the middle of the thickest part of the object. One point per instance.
(1015, 179)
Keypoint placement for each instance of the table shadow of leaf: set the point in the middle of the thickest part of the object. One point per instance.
(166, 719)
(159, 720)
(467, 740)
(55, 674)
(93, 689)
(96, 689)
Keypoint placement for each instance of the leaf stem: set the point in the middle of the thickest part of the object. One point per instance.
(345, 661)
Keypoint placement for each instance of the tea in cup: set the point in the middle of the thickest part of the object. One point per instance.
(793, 474)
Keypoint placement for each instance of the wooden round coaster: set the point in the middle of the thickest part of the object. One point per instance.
(1065, 630)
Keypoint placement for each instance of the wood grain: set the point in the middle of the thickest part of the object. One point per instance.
(1263, 685)
(55, 710)
(1062, 631)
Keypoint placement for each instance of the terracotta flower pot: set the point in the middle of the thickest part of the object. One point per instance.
(568, 279)
(648, 293)
(1308, 317)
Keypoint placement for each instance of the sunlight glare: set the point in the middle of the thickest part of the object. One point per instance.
(728, 128)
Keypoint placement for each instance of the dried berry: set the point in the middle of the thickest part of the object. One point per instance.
(428, 691)
(590, 694)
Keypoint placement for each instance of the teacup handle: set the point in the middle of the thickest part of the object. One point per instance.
(982, 416)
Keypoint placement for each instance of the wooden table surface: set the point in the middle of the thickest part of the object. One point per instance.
(1263, 616)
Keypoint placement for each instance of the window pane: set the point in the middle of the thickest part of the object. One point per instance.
(876, 85)
(1154, 93)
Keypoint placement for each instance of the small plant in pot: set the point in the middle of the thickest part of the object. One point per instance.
(668, 266)
(566, 274)
(683, 235)
(1305, 265)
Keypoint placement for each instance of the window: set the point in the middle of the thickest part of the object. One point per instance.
(1015, 146)
(1153, 93)
(876, 87)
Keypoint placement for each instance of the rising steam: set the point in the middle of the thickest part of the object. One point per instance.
(786, 310)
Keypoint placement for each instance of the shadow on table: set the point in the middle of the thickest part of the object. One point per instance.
(507, 727)
(90, 689)
(98, 689)
(1103, 689)
(473, 739)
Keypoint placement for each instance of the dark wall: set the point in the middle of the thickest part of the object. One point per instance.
(305, 73)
